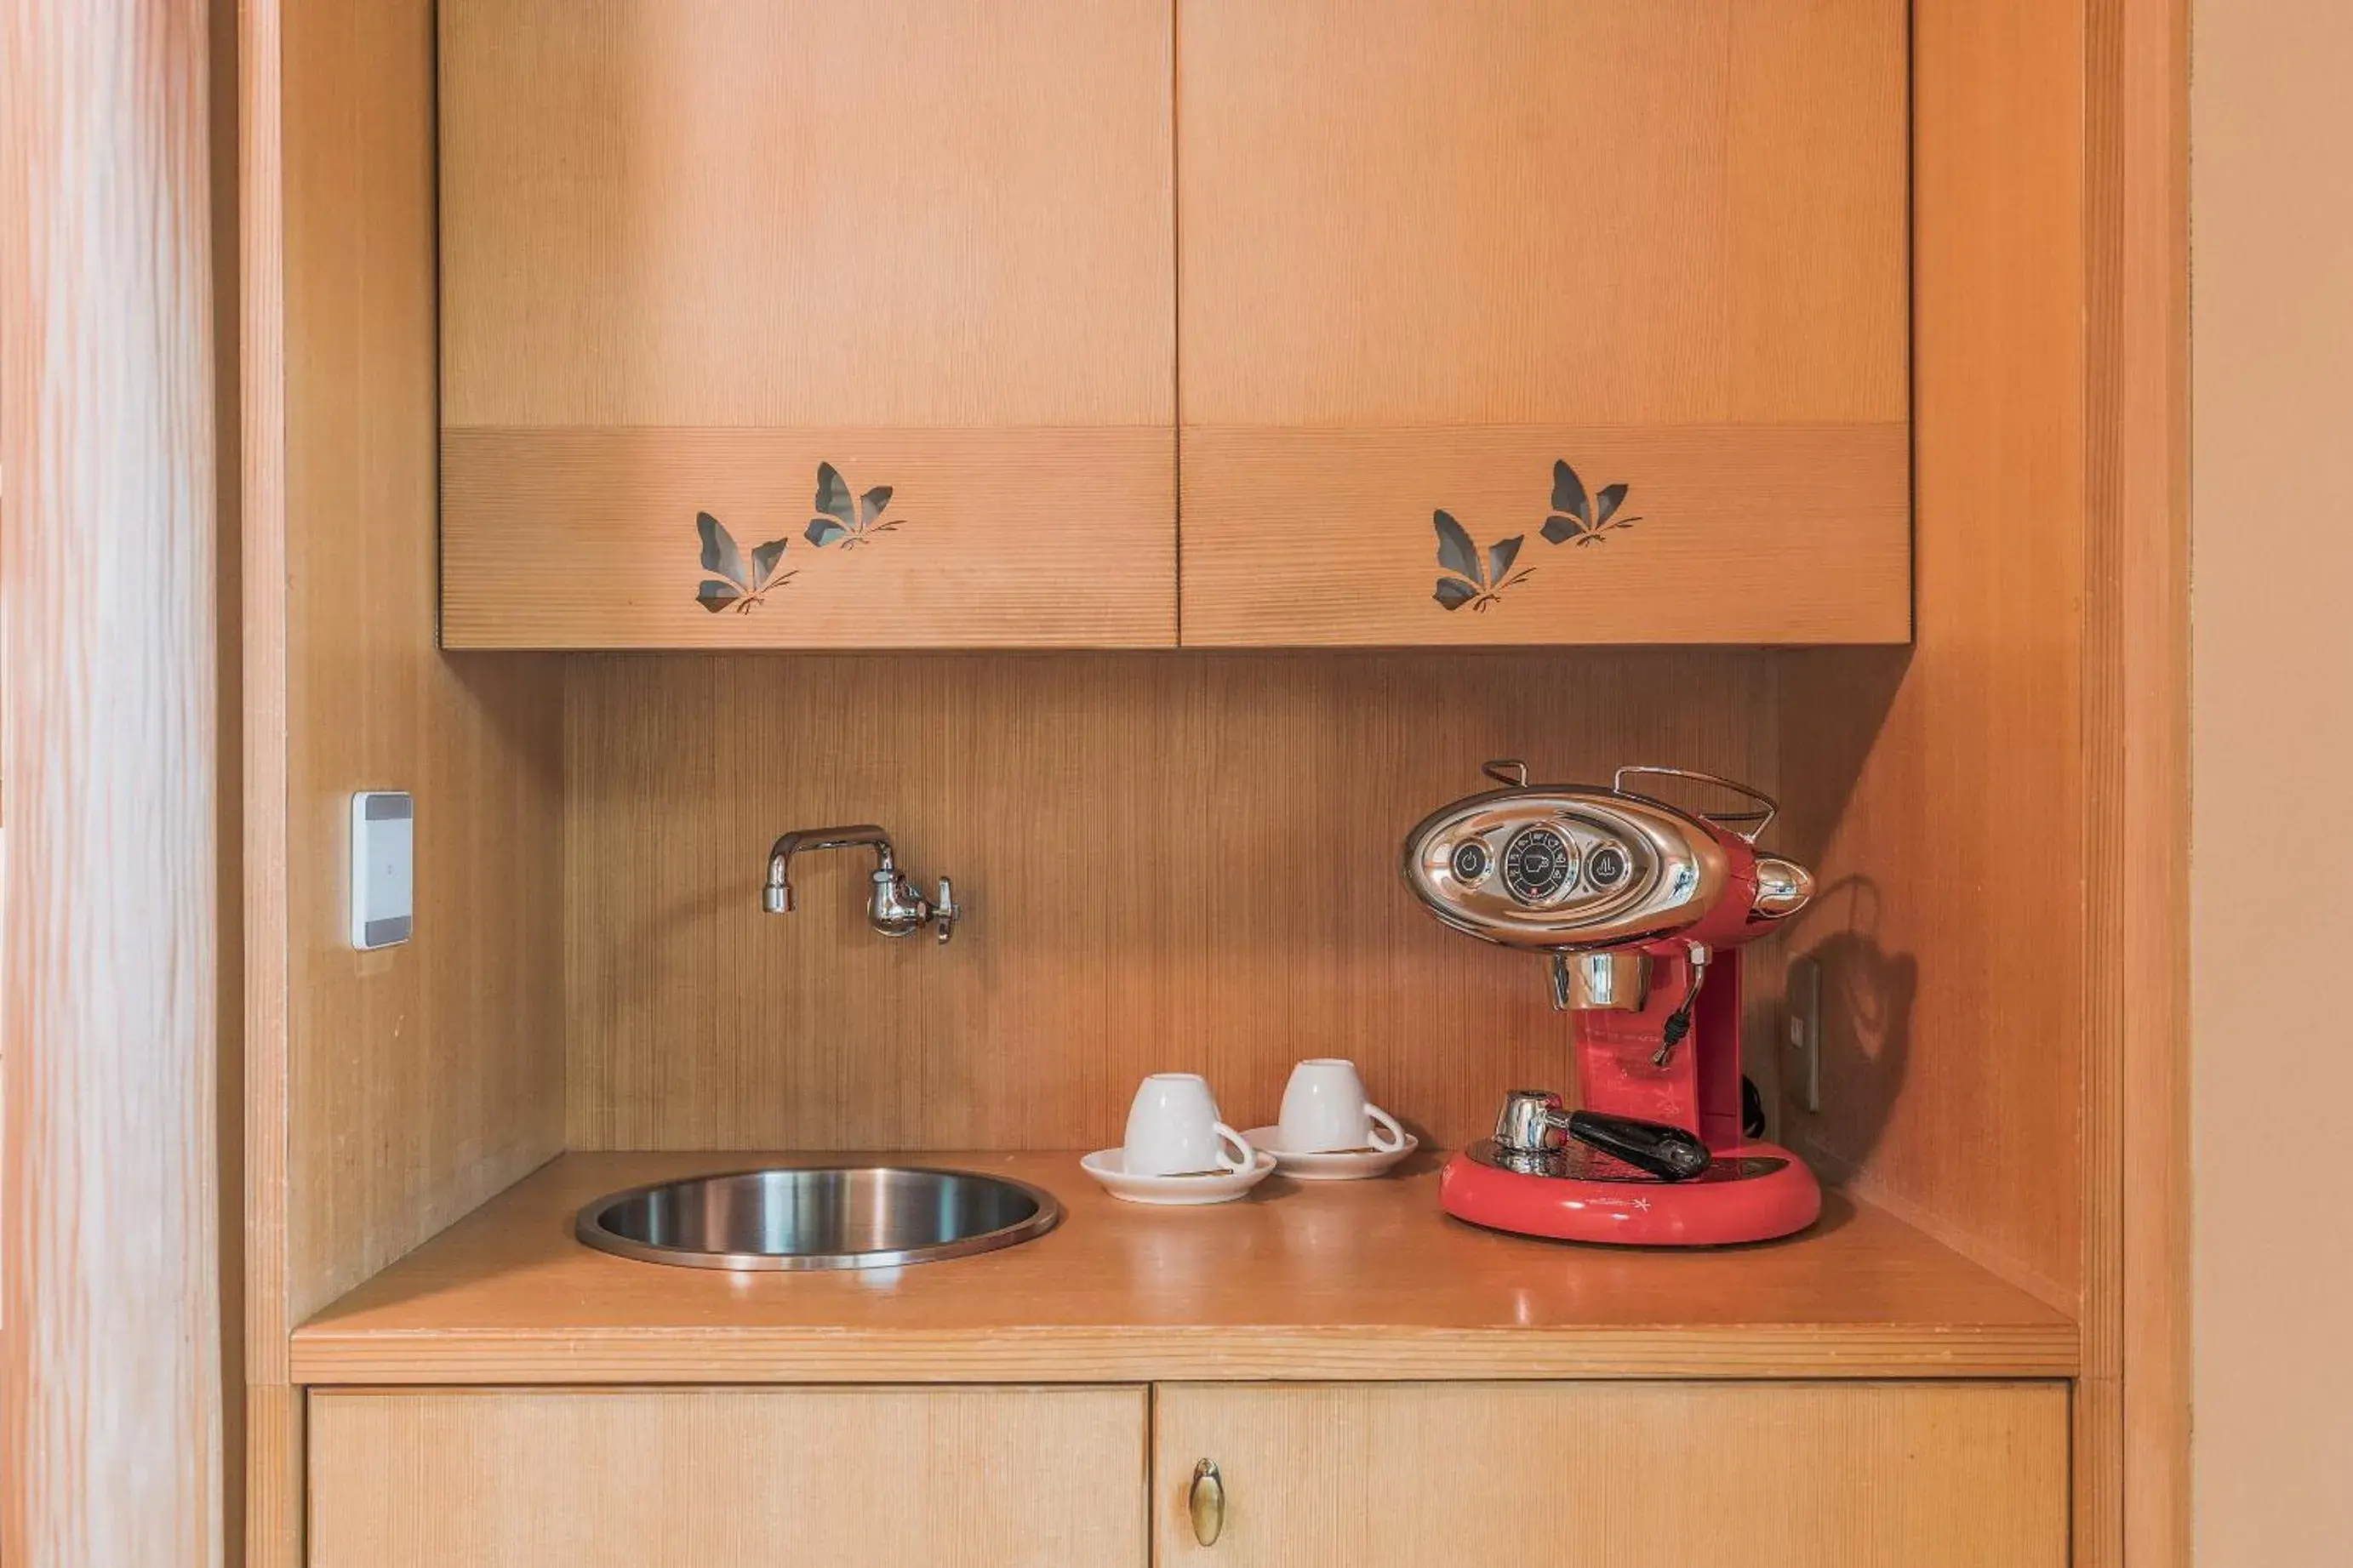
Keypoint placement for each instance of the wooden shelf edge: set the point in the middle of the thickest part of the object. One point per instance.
(1180, 1354)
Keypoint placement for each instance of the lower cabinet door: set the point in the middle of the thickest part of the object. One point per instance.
(1612, 1475)
(722, 1477)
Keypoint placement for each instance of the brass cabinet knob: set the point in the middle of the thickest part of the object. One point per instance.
(1206, 1502)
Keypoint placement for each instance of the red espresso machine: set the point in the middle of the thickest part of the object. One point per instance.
(1641, 907)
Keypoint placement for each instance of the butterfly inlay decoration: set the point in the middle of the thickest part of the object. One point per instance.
(839, 519)
(733, 580)
(1583, 518)
(1478, 579)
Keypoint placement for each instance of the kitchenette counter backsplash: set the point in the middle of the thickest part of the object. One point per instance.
(1167, 863)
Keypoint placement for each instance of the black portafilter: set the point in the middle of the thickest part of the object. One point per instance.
(1533, 1122)
(1666, 1152)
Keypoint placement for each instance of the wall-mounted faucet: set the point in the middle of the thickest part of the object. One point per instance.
(896, 910)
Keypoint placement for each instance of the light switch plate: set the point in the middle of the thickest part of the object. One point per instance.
(1805, 1015)
(384, 868)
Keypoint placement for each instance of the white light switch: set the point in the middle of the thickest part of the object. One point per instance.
(384, 868)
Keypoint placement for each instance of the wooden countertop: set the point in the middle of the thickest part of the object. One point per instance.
(1340, 1281)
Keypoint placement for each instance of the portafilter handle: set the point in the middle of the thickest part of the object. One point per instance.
(1533, 1122)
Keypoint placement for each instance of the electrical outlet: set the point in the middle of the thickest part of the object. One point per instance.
(1804, 1012)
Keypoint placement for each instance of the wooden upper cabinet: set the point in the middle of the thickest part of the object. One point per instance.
(883, 288)
(875, 323)
(1623, 283)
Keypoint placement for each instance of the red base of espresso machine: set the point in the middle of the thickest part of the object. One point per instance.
(1749, 1191)
(1754, 1193)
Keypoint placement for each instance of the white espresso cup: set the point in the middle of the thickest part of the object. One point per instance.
(1325, 1111)
(1173, 1131)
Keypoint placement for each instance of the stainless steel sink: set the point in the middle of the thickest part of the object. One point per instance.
(831, 1216)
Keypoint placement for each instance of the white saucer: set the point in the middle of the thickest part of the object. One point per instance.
(1337, 1165)
(1210, 1187)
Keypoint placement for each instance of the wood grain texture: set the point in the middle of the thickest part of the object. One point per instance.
(2133, 1406)
(1778, 533)
(1363, 1279)
(275, 1475)
(1942, 799)
(386, 1093)
(1508, 212)
(1780, 1476)
(690, 251)
(1172, 863)
(222, 153)
(111, 1355)
(1427, 249)
(424, 1078)
(273, 1478)
(729, 1477)
(816, 214)
(1030, 538)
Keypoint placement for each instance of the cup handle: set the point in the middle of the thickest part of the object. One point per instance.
(1249, 1156)
(1382, 1118)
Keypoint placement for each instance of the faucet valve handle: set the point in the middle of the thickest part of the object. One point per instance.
(946, 912)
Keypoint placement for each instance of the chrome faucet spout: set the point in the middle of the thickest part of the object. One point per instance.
(777, 898)
(894, 909)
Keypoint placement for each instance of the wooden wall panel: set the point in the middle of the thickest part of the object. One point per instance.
(730, 1477)
(1173, 862)
(427, 1076)
(422, 1078)
(388, 1093)
(1942, 797)
(111, 1358)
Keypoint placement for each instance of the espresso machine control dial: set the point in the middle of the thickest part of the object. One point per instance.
(1561, 868)
(1539, 865)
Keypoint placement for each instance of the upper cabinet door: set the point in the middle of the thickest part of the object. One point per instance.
(810, 323)
(1519, 321)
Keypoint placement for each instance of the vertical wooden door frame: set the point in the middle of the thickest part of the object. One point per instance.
(2132, 1464)
(111, 1380)
(273, 1405)
(2133, 1399)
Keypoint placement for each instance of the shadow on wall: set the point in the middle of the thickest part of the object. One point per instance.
(1867, 994)
(1867, 991)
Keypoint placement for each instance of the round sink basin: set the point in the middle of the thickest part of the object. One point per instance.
(827, 1217)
